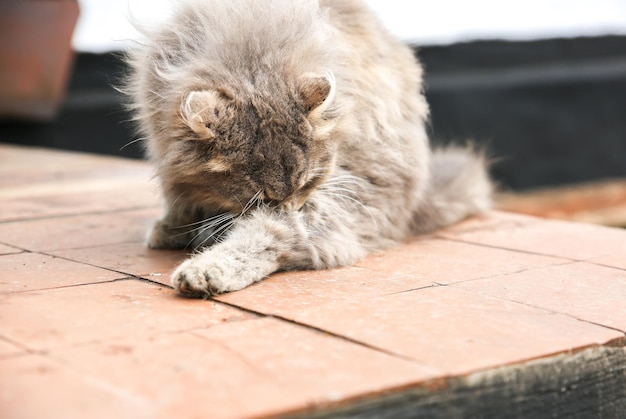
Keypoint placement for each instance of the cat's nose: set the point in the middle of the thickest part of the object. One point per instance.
(294, 203)
(279, 193)
(271, 198)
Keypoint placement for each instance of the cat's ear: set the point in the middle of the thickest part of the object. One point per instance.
(317, 91)
(199, 110)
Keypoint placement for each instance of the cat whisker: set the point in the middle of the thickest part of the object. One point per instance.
(178, 198)
(339, 189)
(318, 171)
(137, 140)
(216, 234)
(251, 202)
(217, 225)
(199, 231)
(221, 222)
(218, 218)
(344, 179)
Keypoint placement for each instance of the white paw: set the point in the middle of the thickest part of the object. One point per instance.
(195, 279)
(208, 274)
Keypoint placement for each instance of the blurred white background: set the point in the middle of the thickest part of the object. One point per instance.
(104, 25)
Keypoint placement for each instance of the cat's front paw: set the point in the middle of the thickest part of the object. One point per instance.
(206, 274)
(195, 280)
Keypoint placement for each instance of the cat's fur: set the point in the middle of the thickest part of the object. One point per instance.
(289, 135)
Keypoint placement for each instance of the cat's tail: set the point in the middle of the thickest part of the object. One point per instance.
(459, 187)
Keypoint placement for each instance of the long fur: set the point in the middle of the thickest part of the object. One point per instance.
(290, 135)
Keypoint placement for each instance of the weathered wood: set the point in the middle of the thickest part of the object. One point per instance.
(586, 384)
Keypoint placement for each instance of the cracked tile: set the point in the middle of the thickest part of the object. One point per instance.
(247, 369)
(304, 289)
(40, 320)
(84, 341)
(562, 239)
(8, 250)
(418, 264)
(453, 330)
(582, 290)
(79, 231)
(616, 260)
(130, 258)
(8, 349)
(34, 271)
(444, 262)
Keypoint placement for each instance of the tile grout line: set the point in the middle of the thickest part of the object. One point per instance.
(322, 331)
(441, 284)
(92, 246)
(547, 310)
(19, 345)
(528, 252)
(20, 249)
(78, 214)
(565, 262)
(432, 285)
(591, 262)
(127, 275)
(109, 281)
(571, 260)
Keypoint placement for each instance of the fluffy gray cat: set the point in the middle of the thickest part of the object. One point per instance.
(289, 135)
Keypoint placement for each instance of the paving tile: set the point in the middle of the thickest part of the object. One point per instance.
(110, 346)
(8, 250)
(9, 349)
(418, 264)
(37, 183)
(243, 369)
(37, 387)
(304, 289)
(67, 316)
(79, 231)
(585, 291)
(490, 220)
(28, 164)
(452, 329)
(86, 197)
(443, 261)
(616, 260)
(33, 271)
(130, 258)
(563, 239)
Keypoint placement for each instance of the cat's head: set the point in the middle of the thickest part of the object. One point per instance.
(270, 144)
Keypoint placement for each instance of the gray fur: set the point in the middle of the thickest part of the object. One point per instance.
(289, 135)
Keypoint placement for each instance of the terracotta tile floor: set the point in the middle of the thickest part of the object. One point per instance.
(89, 326)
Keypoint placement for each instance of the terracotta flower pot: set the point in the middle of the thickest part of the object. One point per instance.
(35, 55)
